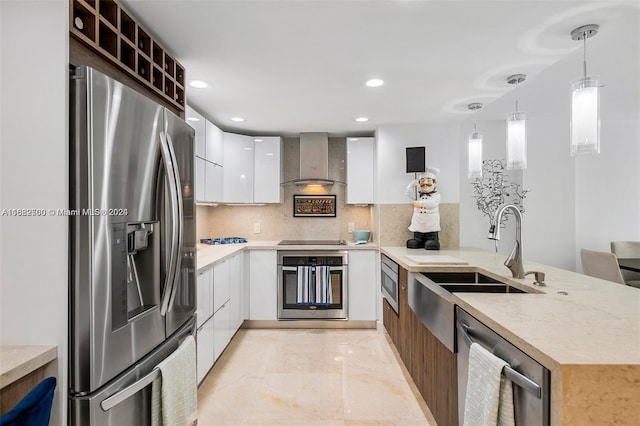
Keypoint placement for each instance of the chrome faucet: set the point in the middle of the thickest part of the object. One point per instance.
(514, 261)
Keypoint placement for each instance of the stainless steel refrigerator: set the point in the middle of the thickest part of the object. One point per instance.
(132, 251)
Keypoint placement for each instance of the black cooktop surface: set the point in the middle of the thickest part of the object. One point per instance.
(312, 243)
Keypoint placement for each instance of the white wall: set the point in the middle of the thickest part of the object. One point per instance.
(33, 161)
(441, 141)
(585, 201)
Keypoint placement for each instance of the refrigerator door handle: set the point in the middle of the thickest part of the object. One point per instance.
(167, 161)
(120, 396)
(178, 182)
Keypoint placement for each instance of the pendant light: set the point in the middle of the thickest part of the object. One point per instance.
(516, 131)
(585, 102)
(475, 146)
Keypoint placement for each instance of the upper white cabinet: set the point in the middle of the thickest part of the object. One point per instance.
(238, 171)
(214, 144)
(208, 158)
(360, 170)
(267, 174)
(198, 122)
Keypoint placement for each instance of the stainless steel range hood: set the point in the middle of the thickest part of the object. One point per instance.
(314, 159)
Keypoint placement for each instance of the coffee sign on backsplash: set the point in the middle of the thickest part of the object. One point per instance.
(314, 206)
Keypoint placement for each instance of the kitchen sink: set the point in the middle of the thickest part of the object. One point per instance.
(431, 299)
(481, 288)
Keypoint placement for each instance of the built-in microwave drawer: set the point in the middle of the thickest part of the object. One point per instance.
(389, 281)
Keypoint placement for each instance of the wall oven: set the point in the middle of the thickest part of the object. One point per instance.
(312, 285)
(389, 281)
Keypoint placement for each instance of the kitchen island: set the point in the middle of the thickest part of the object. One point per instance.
(586, 331)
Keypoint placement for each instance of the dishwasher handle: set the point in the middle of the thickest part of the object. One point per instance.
(511, 374)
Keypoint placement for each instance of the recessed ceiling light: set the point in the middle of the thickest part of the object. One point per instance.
(374, 82)
(353, 139)
(238, 119)
(198, 84)
(361, 119)
(193, 119)
(257, 140)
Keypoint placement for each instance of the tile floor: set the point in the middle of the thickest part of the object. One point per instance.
(309, 377)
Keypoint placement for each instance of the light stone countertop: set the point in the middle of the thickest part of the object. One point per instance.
(18, 361)
(589, 338)
(210, 254)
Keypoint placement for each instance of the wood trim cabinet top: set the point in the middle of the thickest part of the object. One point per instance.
(109, 30)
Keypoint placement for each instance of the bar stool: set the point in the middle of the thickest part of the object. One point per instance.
(628, 250)
(601, 264)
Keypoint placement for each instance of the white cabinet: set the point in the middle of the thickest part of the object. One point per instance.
(360, 170)
(223, 299)
(205, 349)
(204, 303)
(238, 169)
(208, 158)
(236, 289)
(362, 284)
(198, 122)
(213, 182)
(267, 174)
(221, 329)
(263, 285)
(220, 284)
(214, 144)
(200, 167)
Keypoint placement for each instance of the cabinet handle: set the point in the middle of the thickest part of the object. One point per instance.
(403, 287)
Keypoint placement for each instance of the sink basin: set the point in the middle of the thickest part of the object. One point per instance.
(481, 288)
(431, 299)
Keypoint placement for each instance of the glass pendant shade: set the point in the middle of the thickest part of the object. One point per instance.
(585, 116)
(475, 155)
(516, 141)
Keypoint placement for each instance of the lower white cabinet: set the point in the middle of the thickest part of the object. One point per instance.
(362, 284)
(205, 349)
(263, 285)
(219, 309)
(221, 329)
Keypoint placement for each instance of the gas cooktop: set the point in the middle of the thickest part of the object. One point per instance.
(312, 243)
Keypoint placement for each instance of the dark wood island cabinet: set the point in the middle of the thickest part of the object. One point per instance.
(431, 365)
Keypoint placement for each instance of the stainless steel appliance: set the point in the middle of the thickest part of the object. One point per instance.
(389, 281)
(132, 251)
(292, 263)
(431, 300)
(531, 390)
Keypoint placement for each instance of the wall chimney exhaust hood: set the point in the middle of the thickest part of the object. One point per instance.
(314, 159)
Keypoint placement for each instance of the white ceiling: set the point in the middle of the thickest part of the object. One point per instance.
(300, 65)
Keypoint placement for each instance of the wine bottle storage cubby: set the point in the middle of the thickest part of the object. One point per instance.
(106, 27)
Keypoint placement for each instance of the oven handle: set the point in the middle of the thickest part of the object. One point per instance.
(294, 268)
(511, 374)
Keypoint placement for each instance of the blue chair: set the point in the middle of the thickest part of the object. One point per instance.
(34, 409)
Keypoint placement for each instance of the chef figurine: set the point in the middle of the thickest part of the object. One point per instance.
(425, 222)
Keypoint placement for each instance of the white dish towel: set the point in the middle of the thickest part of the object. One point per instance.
(489, 398)
(323, 285)
(303, 285)
(174, 396)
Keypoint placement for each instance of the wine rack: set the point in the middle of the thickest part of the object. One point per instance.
(106, 27)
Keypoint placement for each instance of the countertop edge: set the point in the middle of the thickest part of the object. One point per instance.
(16, 361)
(208, 255)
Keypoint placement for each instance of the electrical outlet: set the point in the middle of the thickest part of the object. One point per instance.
(256, 228)
(352, 226)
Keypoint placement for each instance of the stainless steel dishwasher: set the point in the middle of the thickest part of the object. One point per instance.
(531, 390)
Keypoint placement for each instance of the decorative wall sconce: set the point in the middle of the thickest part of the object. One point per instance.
(475, 146)
(516, 131)
(585, 102)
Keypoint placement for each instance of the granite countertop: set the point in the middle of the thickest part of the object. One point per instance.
(210, 254)
(18, 361)
(589, 338)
